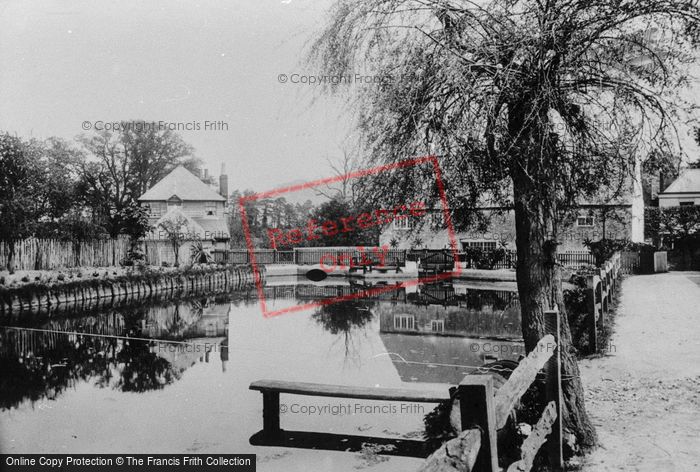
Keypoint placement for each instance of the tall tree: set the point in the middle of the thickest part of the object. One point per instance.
(126, 163)
(535, 103)
(60, 161)
(20, 189)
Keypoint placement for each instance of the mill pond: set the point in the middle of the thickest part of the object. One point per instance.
(174, 377)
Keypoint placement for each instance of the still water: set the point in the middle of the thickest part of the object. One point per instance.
(174, 377)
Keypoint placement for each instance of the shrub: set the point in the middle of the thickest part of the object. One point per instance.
(487, 260)
(604, 249)
(200, 255)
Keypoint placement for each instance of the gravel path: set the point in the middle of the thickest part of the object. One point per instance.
(644, 396)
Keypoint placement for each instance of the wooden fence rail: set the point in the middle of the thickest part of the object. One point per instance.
(601, 290)
(482, 412)
(47, 254)
(311, 256)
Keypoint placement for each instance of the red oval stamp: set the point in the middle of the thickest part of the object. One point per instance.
(349, 260)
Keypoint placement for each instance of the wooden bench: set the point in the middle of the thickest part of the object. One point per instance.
(271, 390)
(482, 412)
(372, 265)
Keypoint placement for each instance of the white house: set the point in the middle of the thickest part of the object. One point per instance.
(181, 194)
(613, 215)
(685, 190)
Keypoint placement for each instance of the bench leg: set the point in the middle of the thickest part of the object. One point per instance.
(271, 413)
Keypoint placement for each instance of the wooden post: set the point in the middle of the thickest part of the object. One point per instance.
(476, 402)
(593, 313)
(553, 388)
(603, 292)
(271, 413)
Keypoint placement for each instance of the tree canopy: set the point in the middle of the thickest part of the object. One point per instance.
(566, 92)
(531, 103)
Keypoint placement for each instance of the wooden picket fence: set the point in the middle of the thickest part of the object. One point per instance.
(47, 254)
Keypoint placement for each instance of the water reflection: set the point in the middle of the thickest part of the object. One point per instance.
(212, 348)
(38, 365)
(116, 349)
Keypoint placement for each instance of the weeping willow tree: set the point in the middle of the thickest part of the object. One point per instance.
(535, 104)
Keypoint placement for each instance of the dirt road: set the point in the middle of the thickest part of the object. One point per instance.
(644, 396)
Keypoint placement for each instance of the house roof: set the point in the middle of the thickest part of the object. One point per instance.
(687, 182)
(183, 184)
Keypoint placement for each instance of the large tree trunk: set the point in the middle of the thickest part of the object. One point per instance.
(540, 289)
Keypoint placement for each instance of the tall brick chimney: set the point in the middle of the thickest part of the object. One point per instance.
(223, 182)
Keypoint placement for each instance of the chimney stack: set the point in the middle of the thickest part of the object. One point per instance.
(206, 173)
(223, 182)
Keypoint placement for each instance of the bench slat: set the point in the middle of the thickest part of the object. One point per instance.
(365, 393)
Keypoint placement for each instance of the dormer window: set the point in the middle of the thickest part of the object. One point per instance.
(174, 201)
(210, 208)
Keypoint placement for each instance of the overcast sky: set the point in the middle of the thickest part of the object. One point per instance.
(69, 61)
(65, 62)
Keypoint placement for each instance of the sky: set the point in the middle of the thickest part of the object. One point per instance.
(68, 62)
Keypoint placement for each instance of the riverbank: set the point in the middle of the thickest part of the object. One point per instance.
(37, 290)
(643, 394)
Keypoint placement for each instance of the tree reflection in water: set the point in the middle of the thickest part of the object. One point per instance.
(35, 365)
(343, 318)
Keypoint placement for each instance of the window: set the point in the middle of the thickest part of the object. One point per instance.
(482, 245)
(686, 204)
(585, 221)
(210, 208)
(404, 322)
(437, 326)
(438, 219)
(402, 222)
(156, 209)
(210, 330)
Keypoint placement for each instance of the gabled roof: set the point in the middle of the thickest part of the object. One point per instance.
(687, 182)
(183, 184)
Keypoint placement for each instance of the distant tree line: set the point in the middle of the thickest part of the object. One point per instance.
(265, 214)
